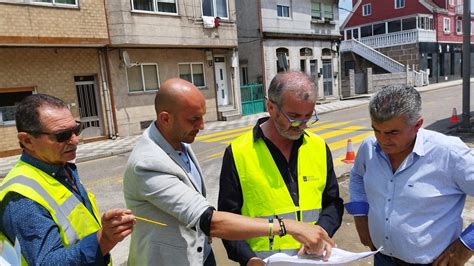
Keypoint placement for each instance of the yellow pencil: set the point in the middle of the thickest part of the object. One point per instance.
(150, 221)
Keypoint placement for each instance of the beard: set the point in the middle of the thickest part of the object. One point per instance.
(291, 133)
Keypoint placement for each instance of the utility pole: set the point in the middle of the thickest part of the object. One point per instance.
(466, 67)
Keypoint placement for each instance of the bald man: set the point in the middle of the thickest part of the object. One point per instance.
(163, 182)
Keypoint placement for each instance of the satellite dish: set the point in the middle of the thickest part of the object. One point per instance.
(126, 60)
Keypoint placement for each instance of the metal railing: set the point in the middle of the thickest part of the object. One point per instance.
(372, 55)
(399, 38)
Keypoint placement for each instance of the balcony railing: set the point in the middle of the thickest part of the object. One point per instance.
(399, 38)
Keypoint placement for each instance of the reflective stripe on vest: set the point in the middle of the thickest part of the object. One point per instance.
(62, 211)
(265, 193)
(307, 216)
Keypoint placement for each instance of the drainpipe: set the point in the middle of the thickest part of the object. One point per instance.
(262, 56)
(105, 89)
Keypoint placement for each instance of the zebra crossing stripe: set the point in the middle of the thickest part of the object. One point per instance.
(342, 143)
(342, 131)
(222, 133)
(333, 126)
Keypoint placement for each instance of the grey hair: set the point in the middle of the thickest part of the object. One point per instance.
(393, 101)
(299, 84)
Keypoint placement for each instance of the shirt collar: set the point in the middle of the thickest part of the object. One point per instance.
(50, 169)
(419, 147)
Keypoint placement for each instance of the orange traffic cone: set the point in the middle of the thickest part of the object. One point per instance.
(350, 154)
(454, 117)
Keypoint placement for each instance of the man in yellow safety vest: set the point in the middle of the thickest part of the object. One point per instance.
(43, 205)
(280, 171)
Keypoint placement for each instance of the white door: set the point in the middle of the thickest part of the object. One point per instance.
(221, 81)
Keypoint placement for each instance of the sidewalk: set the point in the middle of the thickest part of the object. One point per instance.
(110, 147)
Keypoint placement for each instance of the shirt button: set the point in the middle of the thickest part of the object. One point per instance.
(386, 237)
(391, 180)
(389, 200)
(386, 219)
(199, 249)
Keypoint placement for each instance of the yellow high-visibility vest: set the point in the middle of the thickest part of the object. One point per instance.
(265, 193)
(72, 217)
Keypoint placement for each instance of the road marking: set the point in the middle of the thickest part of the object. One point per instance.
(222, 133)
(214, 155)
(228, 136)
(327, 126)
(333, 146)
(343, 143)
(341, 131)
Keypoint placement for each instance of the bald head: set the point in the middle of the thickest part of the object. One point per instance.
(175, 94)
(180, 109)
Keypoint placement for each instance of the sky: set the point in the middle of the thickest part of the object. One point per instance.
(347, 4)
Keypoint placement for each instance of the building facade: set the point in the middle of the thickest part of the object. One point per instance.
(423, 35)
(280, 35)
(152, 41)
(53, 47)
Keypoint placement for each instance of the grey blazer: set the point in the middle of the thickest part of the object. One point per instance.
(157, 187)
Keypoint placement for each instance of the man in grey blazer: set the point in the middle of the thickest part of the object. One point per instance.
(163, 182)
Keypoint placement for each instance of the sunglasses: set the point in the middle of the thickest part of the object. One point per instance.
(295, 122)
(63, 135)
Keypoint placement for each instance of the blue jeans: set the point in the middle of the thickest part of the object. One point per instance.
(384, 260)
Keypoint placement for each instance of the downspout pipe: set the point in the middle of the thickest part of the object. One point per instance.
(106, 93)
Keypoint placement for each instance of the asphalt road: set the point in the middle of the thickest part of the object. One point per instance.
(104, 176)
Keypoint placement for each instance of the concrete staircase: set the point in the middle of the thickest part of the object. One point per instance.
(372, 55)
(228, 113)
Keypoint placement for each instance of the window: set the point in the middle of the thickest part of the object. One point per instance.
(244, 75)
(446, 25)
(366, 9)
(451, 2)
(459, 26)
(355, 33)
(283, 11)
(399, 4)
(306, 51)
(57, 2)
(192, 72)
(303, 65)
(313, 69)
(328, 12)
(9, 99)
(282, 60)
(143, 77)
(394, 26)
(379, 28)
(348, 34)
(366, 31)
(315, 9)
(409, 23)
(215, 8)
(158, 6)
(425, 23)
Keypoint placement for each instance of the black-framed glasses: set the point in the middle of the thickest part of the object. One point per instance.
(63, 135)
(295, 122)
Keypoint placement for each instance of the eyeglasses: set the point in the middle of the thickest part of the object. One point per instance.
(63, 135)
(297, 123)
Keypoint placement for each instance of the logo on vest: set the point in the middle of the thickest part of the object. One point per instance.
(307, 178)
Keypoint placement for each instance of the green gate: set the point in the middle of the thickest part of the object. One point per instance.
(253, 99)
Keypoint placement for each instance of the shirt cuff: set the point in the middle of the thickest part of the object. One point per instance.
(467, 237)
(90, 250)
(357, 208)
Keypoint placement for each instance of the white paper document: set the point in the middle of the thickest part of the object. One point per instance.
(338, 256)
